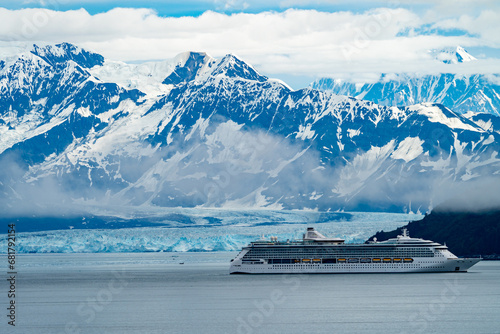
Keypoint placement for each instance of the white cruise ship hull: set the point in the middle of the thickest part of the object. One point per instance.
(423, 265)
(316, 254)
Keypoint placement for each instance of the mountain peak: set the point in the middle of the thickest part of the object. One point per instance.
(184, 58)
(63, 52)
(463, 56)
(188, 65)
(453, 55)
(233, 67)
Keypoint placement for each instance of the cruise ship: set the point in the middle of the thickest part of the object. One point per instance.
(316, 253)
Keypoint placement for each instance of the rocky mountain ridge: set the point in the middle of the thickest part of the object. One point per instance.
(463, 93)
(78, 130)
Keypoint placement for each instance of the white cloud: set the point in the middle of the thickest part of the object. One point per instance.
(294, 42)
(231, 4)
(485, 25)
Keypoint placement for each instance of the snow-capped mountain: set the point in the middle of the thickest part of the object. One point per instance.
(453, 55)
(78, 130)
(459, 92)
(486, 121)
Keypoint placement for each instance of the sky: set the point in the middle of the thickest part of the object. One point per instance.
(296, 41)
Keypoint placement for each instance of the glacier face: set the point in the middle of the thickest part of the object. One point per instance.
(201, 230)
(79, 131)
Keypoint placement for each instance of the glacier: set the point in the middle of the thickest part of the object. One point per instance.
(206, 230)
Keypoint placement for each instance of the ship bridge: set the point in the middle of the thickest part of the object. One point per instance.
(405, 239)
(315, 236)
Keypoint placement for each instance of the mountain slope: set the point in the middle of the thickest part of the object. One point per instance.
(461, 93)
(80, 131)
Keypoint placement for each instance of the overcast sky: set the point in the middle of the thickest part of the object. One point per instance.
(296, 41)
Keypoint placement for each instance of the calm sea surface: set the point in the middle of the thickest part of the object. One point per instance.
(155, 293)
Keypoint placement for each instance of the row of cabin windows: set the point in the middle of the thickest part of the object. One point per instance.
(348, 252)
(341, 260)
(274, 255)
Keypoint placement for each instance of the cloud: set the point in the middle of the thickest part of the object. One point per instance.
(225, 164)
(291, 43)
(231, 4)
(472, 196)
(485, 26)
(220, 164)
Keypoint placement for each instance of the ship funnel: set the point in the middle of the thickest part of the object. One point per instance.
(312, 234)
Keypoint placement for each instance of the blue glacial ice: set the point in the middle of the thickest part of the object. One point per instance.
(203, 230)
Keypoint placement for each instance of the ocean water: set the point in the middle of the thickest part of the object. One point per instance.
(155, 293)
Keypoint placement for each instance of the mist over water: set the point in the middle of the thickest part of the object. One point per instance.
(227, 165)
(474, 196)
